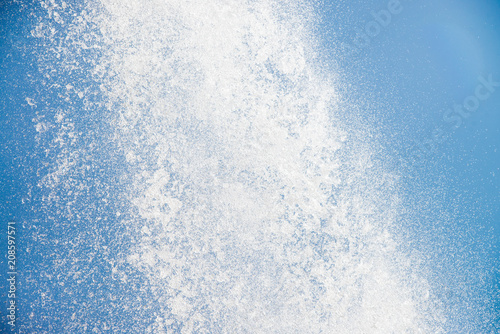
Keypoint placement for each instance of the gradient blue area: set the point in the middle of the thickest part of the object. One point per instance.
(428, 58)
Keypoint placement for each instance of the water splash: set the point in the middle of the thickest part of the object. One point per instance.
(257, 209)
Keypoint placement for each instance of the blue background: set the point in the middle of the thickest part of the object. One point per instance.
(426, 59)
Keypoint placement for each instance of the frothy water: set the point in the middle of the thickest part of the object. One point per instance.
(253, 206)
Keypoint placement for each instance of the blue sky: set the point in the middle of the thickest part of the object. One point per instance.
(427, 58)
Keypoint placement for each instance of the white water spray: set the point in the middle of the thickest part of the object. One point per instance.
(259, 211)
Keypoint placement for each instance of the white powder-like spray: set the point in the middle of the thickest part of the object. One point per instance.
(256, 217)
(258, 210)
